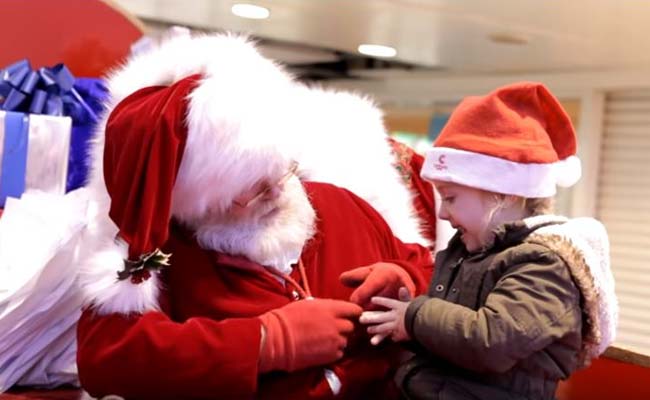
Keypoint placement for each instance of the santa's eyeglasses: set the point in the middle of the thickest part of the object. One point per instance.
(267, 188)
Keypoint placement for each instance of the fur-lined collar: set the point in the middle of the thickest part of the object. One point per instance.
(584, 246)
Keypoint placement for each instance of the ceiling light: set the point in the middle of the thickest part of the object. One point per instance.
(250, 11)
(377, 50)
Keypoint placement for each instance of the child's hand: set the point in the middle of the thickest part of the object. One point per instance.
(389, 322)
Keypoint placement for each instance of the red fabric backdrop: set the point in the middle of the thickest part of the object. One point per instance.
(89, 36)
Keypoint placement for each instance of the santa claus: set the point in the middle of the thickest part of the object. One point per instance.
(236, 238)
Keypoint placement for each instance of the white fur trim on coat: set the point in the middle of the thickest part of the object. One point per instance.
(498, 175)
(339, 138)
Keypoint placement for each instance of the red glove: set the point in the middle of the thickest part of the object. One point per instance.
(379, 279)
(306, 333)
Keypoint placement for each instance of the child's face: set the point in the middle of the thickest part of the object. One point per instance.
(468, 210)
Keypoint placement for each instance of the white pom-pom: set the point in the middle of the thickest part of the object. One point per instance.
(568, 171)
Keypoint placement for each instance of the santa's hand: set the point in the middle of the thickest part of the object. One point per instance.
(379, 279)
(306, 333)
(390, 322)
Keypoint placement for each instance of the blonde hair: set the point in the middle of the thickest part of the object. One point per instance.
(539, 205)
(531, 206)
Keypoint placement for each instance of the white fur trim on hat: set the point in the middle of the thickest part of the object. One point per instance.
(227, 59)
(100, 258)
(568, 171)
(496, 174)
(107, 294)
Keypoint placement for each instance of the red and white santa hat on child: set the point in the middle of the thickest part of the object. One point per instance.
(516, 140)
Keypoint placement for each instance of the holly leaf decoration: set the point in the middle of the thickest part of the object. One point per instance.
(140, 269)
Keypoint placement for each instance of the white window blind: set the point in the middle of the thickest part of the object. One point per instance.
(624, 207)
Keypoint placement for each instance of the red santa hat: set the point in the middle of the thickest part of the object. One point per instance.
(181, 121)
(143, 145)
(516, 140)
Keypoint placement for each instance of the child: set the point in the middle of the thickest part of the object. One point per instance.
(520, 298)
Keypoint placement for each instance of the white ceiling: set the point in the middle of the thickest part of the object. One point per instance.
(449, 35)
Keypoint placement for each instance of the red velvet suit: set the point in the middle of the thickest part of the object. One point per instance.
(206, 342)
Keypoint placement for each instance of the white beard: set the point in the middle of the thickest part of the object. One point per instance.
(274, 241)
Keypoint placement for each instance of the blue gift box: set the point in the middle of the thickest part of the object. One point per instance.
(34, 153)
(14, 156)
(50, 91)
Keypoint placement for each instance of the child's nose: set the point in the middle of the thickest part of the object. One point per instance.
(443, 213)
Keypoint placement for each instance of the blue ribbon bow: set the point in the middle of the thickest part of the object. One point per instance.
(55, 91)
(47, 91)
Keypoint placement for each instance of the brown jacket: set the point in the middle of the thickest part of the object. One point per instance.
(512, 320)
